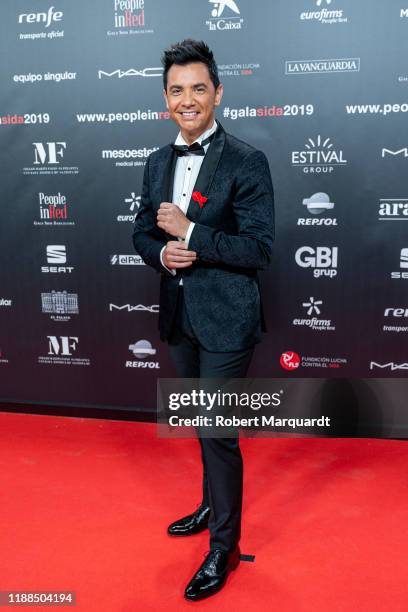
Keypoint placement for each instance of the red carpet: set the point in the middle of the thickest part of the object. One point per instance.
(86, 503)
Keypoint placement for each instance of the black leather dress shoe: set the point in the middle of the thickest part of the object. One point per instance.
(193, 523)
(211, 576)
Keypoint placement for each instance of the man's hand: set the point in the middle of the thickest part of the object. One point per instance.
(176, 255)
(172, 220)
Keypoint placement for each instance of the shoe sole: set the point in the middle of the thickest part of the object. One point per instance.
(184, 535)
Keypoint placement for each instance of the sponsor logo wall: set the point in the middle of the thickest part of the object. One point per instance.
(81, 109)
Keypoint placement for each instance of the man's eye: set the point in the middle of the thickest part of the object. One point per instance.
(200, 89)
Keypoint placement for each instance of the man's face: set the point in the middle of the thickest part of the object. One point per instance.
(191, 98)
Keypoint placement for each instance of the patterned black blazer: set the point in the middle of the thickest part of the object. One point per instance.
(233, 237)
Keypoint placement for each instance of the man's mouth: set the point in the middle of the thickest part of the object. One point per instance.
(189, 114)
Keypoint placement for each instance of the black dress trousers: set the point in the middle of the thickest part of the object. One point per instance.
(221, 457)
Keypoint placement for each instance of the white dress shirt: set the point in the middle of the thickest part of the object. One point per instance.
(185, 176)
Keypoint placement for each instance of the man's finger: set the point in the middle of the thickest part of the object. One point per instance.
(179, 258)
(180, 265)
(181, 252)
(163, 214)
(176, 244)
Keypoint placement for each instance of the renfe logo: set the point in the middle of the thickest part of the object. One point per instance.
(46, 18)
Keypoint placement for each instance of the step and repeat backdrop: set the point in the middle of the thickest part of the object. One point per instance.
(321, 86)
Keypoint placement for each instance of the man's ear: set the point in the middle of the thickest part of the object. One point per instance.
(165, 98)
(218, 95)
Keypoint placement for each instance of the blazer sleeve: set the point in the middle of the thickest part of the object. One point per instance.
(147, 237)
(253, 205)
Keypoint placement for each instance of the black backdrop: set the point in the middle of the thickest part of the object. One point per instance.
(321, 87)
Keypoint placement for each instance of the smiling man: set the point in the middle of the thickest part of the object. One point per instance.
(206, 224)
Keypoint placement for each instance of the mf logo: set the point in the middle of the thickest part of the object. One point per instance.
(320, 2)
(50, 153)
(56, 254)
(403, 152)
(62, 345)
(220, 5)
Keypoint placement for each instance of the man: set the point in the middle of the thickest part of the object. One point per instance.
(206, 223)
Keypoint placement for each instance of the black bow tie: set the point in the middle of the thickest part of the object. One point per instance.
(193, 149)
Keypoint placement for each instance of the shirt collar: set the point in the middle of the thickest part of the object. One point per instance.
(180, 140)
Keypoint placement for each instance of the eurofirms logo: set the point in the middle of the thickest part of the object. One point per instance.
(225, 15)
(133, 202)
(325, 16)
(313, 321)
(322, 66)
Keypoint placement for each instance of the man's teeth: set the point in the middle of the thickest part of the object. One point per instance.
(190, 114)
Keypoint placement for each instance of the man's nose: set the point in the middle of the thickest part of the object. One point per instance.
(188, 98)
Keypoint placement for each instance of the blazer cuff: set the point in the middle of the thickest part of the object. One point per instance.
(189, 231)
(173, 272)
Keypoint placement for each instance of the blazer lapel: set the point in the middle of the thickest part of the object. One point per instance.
(168, 182)
(168, 178)
(207, 172)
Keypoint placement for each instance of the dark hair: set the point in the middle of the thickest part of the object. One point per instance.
(186, 52)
